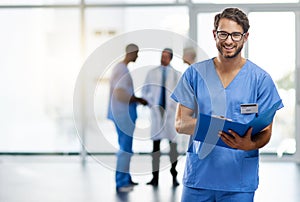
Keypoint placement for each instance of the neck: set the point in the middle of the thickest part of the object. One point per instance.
(126, 61)
(229, 64)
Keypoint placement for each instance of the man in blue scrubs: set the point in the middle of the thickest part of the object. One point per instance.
(220, 86)
(122, 111)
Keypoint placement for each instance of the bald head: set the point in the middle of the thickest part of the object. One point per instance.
(131, 53)
(131, 48)
(189, 55)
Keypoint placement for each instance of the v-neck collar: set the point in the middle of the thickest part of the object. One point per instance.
(234, 78)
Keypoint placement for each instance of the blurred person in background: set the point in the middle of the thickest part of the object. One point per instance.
(158, 85)
(122, 111)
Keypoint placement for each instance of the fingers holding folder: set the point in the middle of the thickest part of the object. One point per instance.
(234, 140)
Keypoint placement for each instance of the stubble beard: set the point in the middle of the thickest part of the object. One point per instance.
(230, 56)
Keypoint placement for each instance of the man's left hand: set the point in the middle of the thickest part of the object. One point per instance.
(235, 141)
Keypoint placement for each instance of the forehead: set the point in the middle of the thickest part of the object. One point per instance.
(229, 26)
(166, 53)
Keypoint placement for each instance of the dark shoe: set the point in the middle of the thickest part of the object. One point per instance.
(153, 182)
(133, 183)
(175, 183)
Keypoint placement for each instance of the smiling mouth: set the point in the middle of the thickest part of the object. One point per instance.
(228, 47)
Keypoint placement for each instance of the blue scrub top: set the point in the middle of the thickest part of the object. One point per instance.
(201, 90)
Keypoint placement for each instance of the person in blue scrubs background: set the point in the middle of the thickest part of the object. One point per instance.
(222, 86)
(122, 111)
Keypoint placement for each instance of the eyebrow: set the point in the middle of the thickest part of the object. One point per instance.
(229, 32)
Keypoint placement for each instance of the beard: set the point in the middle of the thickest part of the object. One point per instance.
(219, 47)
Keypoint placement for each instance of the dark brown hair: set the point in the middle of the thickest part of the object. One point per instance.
(234, 14)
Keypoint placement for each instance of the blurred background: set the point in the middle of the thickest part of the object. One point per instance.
(44, 44)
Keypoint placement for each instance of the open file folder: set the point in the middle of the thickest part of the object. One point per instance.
(208, 126)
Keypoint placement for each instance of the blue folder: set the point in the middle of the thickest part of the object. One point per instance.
(208, 126)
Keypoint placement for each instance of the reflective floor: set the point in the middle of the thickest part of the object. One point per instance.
(63, 178)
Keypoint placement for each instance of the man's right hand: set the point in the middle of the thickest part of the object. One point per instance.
(138, 100)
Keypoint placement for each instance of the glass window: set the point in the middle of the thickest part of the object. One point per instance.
(38, 73)
(272, 46)
(205, 36)
(100, 28)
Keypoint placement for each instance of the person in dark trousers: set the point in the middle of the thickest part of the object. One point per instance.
(158, 85)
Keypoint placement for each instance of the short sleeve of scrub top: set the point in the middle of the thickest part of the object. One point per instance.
(184, 92)
(121, 78)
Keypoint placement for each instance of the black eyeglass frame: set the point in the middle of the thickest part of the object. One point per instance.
(230, 34)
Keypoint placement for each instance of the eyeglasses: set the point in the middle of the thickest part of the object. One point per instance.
(235, 36)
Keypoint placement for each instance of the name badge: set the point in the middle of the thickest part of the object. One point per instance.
(249, 108)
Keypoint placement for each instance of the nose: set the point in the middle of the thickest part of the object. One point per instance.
(229, 39)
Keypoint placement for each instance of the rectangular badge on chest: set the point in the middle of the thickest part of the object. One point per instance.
(249, 108)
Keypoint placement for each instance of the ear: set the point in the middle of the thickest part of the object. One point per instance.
(246, 37)
(215, 34)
